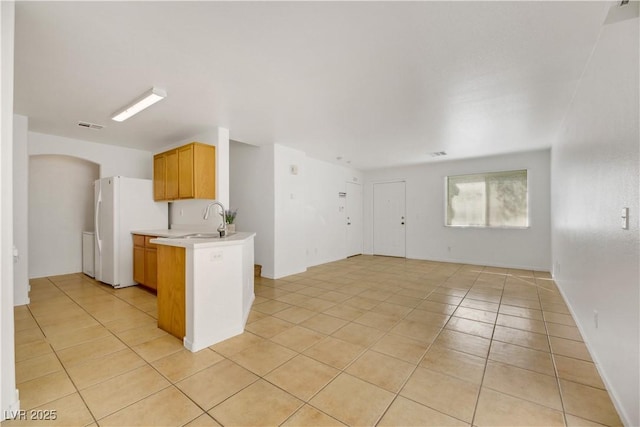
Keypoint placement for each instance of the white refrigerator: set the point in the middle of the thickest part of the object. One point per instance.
(123, 205)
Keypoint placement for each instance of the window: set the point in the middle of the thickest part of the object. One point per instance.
(497, 199)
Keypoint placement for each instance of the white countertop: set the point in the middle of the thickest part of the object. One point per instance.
(174, 239)
(165, 232)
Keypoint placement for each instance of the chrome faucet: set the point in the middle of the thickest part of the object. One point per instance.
(222, 228)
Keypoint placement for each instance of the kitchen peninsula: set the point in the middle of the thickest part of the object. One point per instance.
(205, 285)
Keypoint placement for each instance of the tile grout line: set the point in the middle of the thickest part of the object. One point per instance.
(407, 275)
(63, 365)
(486, 360)
(148, 363)
(408, 378)
(369, 348)
(553, 361)
(171, 384)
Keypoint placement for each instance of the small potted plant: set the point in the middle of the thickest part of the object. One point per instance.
(230, 215)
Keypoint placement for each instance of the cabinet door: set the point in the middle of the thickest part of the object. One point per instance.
(159, 176)
(151, 268)
(172, 175)
(185, 171)
(171, 290)
(204, 175)
(138, 264)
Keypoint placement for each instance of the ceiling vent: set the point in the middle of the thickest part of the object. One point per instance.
(90, 125)
(438, 154)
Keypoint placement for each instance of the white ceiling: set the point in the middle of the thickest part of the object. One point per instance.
(377, 83)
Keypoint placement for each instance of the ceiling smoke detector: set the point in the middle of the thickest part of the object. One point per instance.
(90, 125)
(438, 153)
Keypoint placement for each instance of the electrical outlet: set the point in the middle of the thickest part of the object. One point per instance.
(595, 318)
(215, 256)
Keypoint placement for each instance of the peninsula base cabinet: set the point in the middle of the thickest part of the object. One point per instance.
(171, 290)
(205, 288)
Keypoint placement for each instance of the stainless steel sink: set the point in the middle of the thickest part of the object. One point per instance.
(201, 236)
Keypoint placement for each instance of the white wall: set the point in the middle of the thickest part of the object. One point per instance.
(83, 162)
(113, 160)
(8, 394)
(20, 206)
(252, 193)
(297, 217)
(594, 175)
(326, 217)
(188, 213)
(108, 160)
(428, 238)
(289, 211)
(60, 209)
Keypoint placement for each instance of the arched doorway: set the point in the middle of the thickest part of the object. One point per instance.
(60, 208)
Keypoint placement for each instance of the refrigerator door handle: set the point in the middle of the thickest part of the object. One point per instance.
(97, 222)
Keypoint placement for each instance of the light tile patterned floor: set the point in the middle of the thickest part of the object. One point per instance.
(364, 341)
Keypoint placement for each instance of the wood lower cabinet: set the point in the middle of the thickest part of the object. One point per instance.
(172, 290)
(145, 261)
(150, 263)
(138, 264)
(187, 172)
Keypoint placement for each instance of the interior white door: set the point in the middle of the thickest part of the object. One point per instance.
(354, 209)
(389, 219)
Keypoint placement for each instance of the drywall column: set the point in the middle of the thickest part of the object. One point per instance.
(252, 193)
(21, 210)
(290, 244)
(222, 165)
(8, 393)
(594, 165)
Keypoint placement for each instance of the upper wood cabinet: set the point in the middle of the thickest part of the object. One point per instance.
(187, 172)
(171, 183)
(159, 176)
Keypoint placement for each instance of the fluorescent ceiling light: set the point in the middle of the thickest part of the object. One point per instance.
(148, 99)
